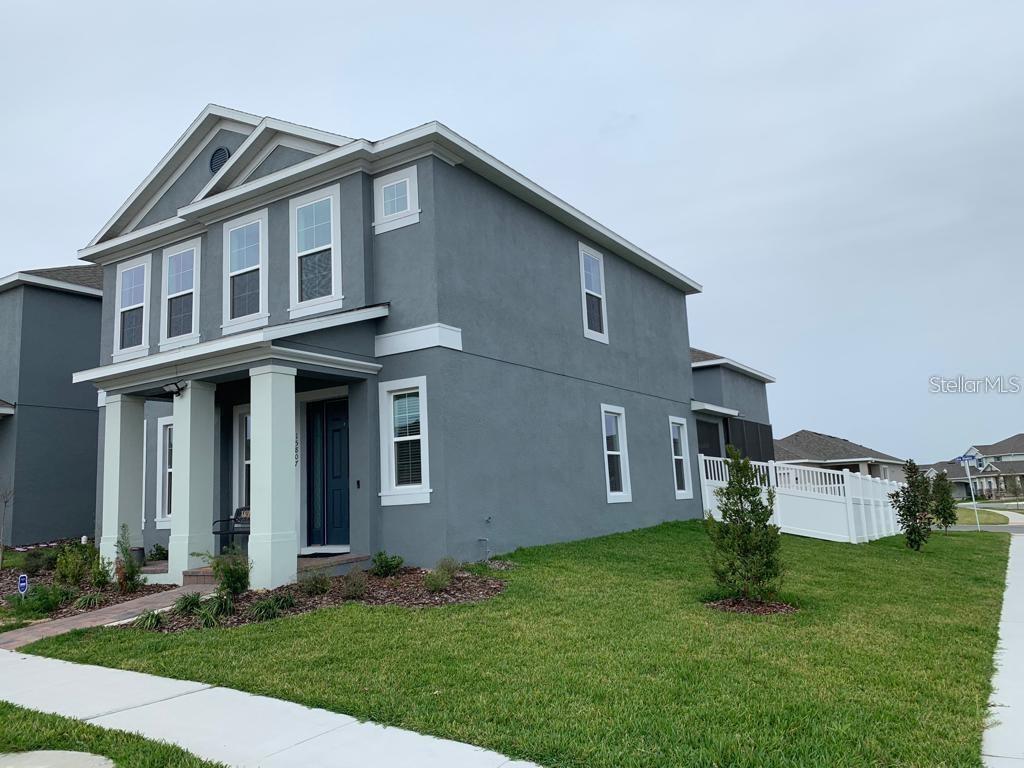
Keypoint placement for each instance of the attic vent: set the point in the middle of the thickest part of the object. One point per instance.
(218, 158)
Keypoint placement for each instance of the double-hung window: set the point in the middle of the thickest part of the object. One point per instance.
(395, 200)
(616, 454)
(132, 315)
(165, 470)
(680, 457)
(179, 324)
(595, 313)
(315, 270)
(245, 272)
(404, 454)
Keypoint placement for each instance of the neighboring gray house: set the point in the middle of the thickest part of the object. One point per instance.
(996, 467)
(730, 403)
(815, 449)
(49, 328)
(400, 344)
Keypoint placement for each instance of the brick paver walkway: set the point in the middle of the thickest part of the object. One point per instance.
(98, 618)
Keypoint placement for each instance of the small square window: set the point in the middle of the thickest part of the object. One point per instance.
(396, 197)
(396, 200)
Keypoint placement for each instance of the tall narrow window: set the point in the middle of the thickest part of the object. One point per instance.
(680, 457)
(613, 421)
(165, 470)
(243, 456)
(132, 304)
(315, 256)
(245, 272)
(404, 455)
(595, 314)
(180, 296)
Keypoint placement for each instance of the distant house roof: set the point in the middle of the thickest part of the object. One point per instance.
(816, 447)
(86, 279)
(1014, 444)
(700, 358)
(955, 471)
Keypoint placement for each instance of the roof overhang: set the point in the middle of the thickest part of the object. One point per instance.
(715, 410)
(236, 349)
(726, 362)
(6, 410)
(854, 460)
(23, 278)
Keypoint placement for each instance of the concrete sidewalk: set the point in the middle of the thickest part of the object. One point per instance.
(1002, 745)
(225, 725)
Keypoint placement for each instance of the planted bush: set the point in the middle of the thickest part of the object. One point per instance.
(437, 581)
(913, 505)
(353, 585)
(188, 604)
(148, 620)
(264, 610)
(231, 569)
(100, 572)
(448, 565)
(313, 583)
(943, 503)
(88, 601)
(222, 603)
(385, 565)
(72, 562)
(284, 601)
(40, 601)
(157, 553)
(207, 617)
(39, 560)
(126, 570)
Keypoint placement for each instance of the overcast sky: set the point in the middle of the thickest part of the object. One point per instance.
(845, 179)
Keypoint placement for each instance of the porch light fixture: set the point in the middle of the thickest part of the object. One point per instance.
(175, 387)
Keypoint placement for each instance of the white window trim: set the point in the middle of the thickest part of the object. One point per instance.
(584, 252)
(298, 308)
(176, 342)
(142, 349)
(410, 215)
(258, 319)
(672, 422)
(163, 516)
(237, 451)
(626, 494)
(390, 494)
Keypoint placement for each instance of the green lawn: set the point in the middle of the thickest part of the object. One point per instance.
(965, 516)
(22, 730)
(601, 654)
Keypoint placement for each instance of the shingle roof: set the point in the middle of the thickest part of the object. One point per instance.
(782, 453)
(5, 404)
(815, 446)
(89, 276)
(955, 471)
(700, 356)
(1014, 444)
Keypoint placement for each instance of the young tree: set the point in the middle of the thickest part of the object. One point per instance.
(913, 506)
(1014, 488)
(943, 503)
(745, 556)
(6, 497)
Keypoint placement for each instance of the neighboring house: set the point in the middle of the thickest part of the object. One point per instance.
(400, 344)
(994, 469)
(815, 449)
(49, 328)
(730, 403)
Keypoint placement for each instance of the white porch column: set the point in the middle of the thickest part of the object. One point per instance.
(122, 472)
(192, 491)
(273, 543)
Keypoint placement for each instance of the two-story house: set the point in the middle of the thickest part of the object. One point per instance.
(400, 344)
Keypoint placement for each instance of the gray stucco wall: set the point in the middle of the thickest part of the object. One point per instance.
(732, 389)
(10, 354)
(279, 158)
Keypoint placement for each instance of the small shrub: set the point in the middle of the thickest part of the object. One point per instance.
(913, 505)
(284, 601)
(230, 568)
(353, 585)
(34, 562)
(148, 620)
(437, 581)
(264, 610)
(126, 570)
(100, 572)
(207, 617)
(40, 601)
(88, 601)
(448, 565)
(72, 562)
(157, 553)
(942, 501)
(313, 583)
(385, 565)
(65, 594)
(222, 603)
(188, 604)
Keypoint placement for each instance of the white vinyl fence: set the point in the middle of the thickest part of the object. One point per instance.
(820, 503)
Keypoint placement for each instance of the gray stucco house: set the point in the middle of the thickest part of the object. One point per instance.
(49, 328)
(400, 344)
(730, 406)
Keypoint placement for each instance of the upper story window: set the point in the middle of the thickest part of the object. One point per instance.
(680, 457)
(132, 313)
(396, 201)
(616, 454)
(315, 271)
(245, 272)
(404, 457)
(179, 324)
(595, 314)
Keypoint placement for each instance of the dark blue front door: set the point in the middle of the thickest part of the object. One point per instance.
(327, 473)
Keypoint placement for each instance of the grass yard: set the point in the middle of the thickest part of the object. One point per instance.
(965, 516)
(601, 655)
(22, 730)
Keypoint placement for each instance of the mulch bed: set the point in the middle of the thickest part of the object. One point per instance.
(9, 586)
(404, 589)
(755, 607)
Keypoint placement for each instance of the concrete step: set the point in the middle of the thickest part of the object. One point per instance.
(332, 565)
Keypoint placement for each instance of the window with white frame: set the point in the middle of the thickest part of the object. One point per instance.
(180, 295)
(395, 200)
(165, 470)
(405, 463)
(680, 457)
(243, 456)
(245, 272)
(595, 313)
(315, 270)
(132, 307)
(616, 454)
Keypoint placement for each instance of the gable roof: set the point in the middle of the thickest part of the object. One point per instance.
(699, 358)
(82, 279)
(1013, 444)
(955, 470)
(824, 449)
(782, 453)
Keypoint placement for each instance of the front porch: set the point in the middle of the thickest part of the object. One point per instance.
(331, 565)
(285, 450)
